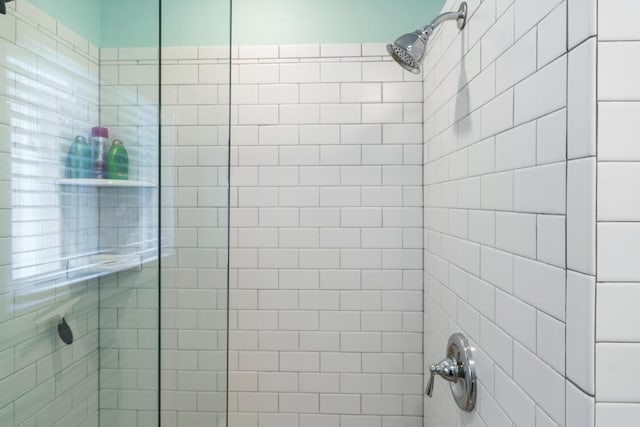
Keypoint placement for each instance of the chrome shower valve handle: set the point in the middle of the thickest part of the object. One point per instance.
(447, 369)
(458, 369)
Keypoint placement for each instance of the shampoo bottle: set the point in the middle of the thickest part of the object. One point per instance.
(76, 158)
(117, 161)
(99, 137)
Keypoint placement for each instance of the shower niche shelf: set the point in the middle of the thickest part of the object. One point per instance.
(97, 265)
(106, 226)
(106, 183)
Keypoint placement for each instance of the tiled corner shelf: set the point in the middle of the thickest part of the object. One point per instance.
(95, 182)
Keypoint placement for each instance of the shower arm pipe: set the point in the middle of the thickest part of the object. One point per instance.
(448, 16)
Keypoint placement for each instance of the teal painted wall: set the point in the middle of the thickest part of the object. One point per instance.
(196, 22)
(130, 23)
(328, 21)
(81, 16)
(206, 22)
(134, 23)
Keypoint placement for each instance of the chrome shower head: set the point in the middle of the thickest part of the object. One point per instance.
(409, 49)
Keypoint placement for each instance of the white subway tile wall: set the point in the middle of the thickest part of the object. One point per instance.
(326, 238)
(618, 217)
(504, 204)
(48, 93)
(329, 230)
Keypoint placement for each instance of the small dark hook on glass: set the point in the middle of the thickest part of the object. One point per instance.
(3, 7)
(64, 331)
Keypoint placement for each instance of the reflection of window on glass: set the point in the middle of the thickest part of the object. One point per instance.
(49, 100)
(67, 231)
(36, 219)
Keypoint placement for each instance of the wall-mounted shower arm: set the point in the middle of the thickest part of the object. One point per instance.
(448, 16)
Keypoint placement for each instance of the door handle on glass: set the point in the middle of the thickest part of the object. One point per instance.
(459, 370)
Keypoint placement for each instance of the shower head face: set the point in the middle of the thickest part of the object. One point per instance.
(408, 51)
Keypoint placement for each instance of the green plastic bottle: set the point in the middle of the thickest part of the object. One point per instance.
(117, 161)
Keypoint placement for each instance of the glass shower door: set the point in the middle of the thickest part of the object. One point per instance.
(195, 155)
(79, 276)
(93, 246)
(129, 302)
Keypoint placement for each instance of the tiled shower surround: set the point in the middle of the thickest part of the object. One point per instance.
(373, 213)
(509, 214)
(326, 246)
(618, 277)
(326, 236)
